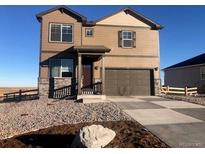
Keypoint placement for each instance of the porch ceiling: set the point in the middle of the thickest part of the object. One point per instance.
(91, 49)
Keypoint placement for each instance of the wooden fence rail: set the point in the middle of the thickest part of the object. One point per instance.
(21, 95)
(175, 90)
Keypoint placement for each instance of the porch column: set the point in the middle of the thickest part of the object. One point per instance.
(103, 75)
(79, 73)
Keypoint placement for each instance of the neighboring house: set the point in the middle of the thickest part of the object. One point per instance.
(116, 55)
(188, 73)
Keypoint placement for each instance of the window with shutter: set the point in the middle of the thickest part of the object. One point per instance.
(120, 38)
(127, 39)
(134, 40)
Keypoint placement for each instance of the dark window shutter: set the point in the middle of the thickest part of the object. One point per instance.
(119, 38)
(134, 39)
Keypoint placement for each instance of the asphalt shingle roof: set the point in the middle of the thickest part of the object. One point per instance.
(200, 59)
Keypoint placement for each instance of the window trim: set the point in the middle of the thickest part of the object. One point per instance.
(63, 42)
(201, 72)
(49, 74)
(86, 33)
(127, 39)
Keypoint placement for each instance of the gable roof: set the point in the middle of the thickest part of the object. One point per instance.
(65, 10)
(127, 10)
(137, 15)
(200, 59)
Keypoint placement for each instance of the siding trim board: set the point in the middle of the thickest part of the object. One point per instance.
(121, 26)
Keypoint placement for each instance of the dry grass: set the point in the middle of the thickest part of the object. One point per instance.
(13, 89)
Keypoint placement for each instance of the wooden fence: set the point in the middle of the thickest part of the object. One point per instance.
(21, 95)
(181, 91)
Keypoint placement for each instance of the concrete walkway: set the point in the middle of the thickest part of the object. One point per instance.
(177, 123)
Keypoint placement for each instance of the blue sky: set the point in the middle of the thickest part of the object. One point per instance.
(183, 36)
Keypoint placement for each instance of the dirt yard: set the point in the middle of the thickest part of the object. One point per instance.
(13, 89)
(129, 134)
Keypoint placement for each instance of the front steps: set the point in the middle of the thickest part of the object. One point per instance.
(91, 98)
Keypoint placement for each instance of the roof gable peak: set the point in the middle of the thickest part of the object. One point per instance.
(64, 9)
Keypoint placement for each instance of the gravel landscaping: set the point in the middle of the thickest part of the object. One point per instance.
(192, 99)
(24, 117)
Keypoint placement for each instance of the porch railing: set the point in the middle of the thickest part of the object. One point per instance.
(95, 89)
(64, 92)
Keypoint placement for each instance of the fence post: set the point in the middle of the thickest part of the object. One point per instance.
(186, 91)
(167, 89)
(20, 93)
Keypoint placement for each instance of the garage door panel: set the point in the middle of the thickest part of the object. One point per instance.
(124, 82)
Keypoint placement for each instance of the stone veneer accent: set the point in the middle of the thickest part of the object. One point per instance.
(157, 85)
(48, 84)
(43, 86)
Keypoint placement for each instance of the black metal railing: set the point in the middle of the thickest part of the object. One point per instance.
(64, 92)
(94, 89)
(21, 95)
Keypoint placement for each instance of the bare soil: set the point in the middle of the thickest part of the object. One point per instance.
(129, 134)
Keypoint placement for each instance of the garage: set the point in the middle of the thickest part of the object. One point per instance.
(128, 82)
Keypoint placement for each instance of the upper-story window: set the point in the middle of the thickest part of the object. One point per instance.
(202, 72)
(127, 39)
(61, 33)
(89, 32)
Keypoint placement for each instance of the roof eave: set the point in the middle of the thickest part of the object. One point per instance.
(39, 15)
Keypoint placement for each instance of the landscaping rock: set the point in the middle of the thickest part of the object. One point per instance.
(23, 117)
(94, 136)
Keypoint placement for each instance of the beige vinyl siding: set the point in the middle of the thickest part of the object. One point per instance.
(144, 55)
(122, 19)
(146, 40)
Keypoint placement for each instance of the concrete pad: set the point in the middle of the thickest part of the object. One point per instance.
(152, 98)
(180, 135)
(177, 104)
(159, 116)
(137, 105)
(198, 113)
(124, 99)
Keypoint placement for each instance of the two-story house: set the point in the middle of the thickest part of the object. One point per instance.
(117, 55)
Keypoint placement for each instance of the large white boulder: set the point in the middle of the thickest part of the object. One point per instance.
(94, 136)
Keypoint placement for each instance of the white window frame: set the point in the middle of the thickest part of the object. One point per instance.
(127, 39)
(88, 29)
(202, 67)
(60, 76)
(62, 25)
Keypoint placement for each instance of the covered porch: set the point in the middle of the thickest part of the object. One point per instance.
(87, 84)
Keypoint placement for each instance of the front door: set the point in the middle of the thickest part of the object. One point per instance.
(87, 75)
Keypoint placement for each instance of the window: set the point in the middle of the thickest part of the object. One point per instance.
(61, 67)
(202, 73)
(127, 39)
(61, 33)
(89, 32)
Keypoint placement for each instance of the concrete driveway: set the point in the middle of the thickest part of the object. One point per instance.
(177, 123)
